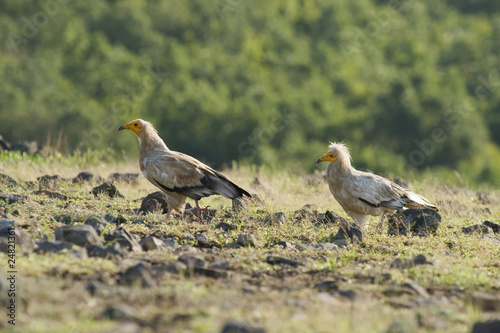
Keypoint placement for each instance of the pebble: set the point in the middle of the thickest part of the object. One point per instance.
(139, 274)
(81, 234)
(108, 252)
(486, 327)
(13, 198)
(241, 327)
(84, 176)
(96, 222)
(246, 240)
(122, 237)
(275, 218)
(155, 202)
(152, 243)
(417, 221)
(274, 260)
(486, 301)
(108, 189)
(477, 229)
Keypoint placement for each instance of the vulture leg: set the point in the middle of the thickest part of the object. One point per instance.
(381, 224)
(168, 214)
(199, 210)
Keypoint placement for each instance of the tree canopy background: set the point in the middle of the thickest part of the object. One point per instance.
(408, 85)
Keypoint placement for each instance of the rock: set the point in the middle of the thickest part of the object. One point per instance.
(418, 221)
(65, 218)
(7, 224)
(486, 301)
(240, 327)
(55, 247)
(28, 147)
(495, 240)
(274, 260)
(108, 189)
(417, 289)
(486, 327)
(118, 312)
(349, 294)
(246, 240)
(192, 261)
(494, 226)
(128, 178)
(169, 242)
(48, 182)
(52, 195)
(275, 218)
(225, 226)
(211, 272)
(327, 246)
(341, 242)
(109, 252)
(404, 263)
(96, 222)
(329, 285)
(175, 267)
(155, 202)
(7, 180)
(124, 239)
(152, 243)
(78, 234)
(283, 244)
(139, 274)
(400, 327)
(477, 229)
(381, 278)
(8, 235)
(13, 198)
(331, 217)
(202, 239)
(84, 177)
(350, 231)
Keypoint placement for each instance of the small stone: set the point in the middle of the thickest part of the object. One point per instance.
(65, 218)
(108, 189)
(274, 260)
(155, 202)
(477, 229)
(78, 234)
(283, 244)
(128, 178)
(123, 238)
(83, 177)
(350, 231)
(7, 180)
(418, 289)
(246, 240)
(486, 327)
(240, 327)
(486, 301)
(418, 221)
(152, 243)
(404, 263)
(495, 240)
(28, 147)
(109, 252)
(13, 198)
(327, 246)
(397, 326)
(48, 182)
(381, 278)
(139, 274)
(328, 285)
(331, 217)
(202, 239)
(54, 247)
(225, 226)
(169, 242)
(341, 242)
(211, 272)
(494, 226)
(119, 312)
(51, 195)
(419, 259)
(350, 294)
(21, 240)
(192, 261)
(7, 223)
(96, 222)
(275, 218)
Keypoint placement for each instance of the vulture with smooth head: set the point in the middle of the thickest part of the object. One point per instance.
(179, 175)
(364, 193)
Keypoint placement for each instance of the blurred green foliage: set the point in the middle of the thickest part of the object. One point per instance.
(408, 85)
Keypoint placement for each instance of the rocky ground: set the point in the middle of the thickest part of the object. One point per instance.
(93, 253)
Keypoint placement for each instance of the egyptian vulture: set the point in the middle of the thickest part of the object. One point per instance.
(177, 174)
(363, 193)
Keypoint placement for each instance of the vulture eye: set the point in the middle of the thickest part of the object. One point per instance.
(135, 124)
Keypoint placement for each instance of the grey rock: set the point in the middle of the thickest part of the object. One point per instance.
(84, 177)
(170, 242)
(13, 198)
(348, 293)
(7, 180)
(139, 274)
(416, 221)
(155, 202)
(108, 189)
(381, 278)
(494, 226)
(349, 231)
(212, 272)
(192, 261)
(65, 218)
(51, 194)
(128, 178)
(202, 239)
(418, 289)
(275, 260)
(28, 147)
(118, 312)
(477, 229)
(241, 327)
(275, 218)
(124, 239)
(234, 245)
(283, 244)
(78, 234)
(246, 240)
(175, 267)
(327, 246)
(404, 263)
(329, 285)
(486, 301)
(400, 327)
(495, 240)
(225, 226)
(48, 182)
(7, 224)
(109, 252)
(331, 217)
(152, 243)
(52, 247)
(96, 222)
(9, 235)
(486, 327)
(341, 242)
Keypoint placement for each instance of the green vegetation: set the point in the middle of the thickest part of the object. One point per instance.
(408, 85)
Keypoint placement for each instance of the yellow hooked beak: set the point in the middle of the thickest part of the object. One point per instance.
(134, 126)
(328, 157)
